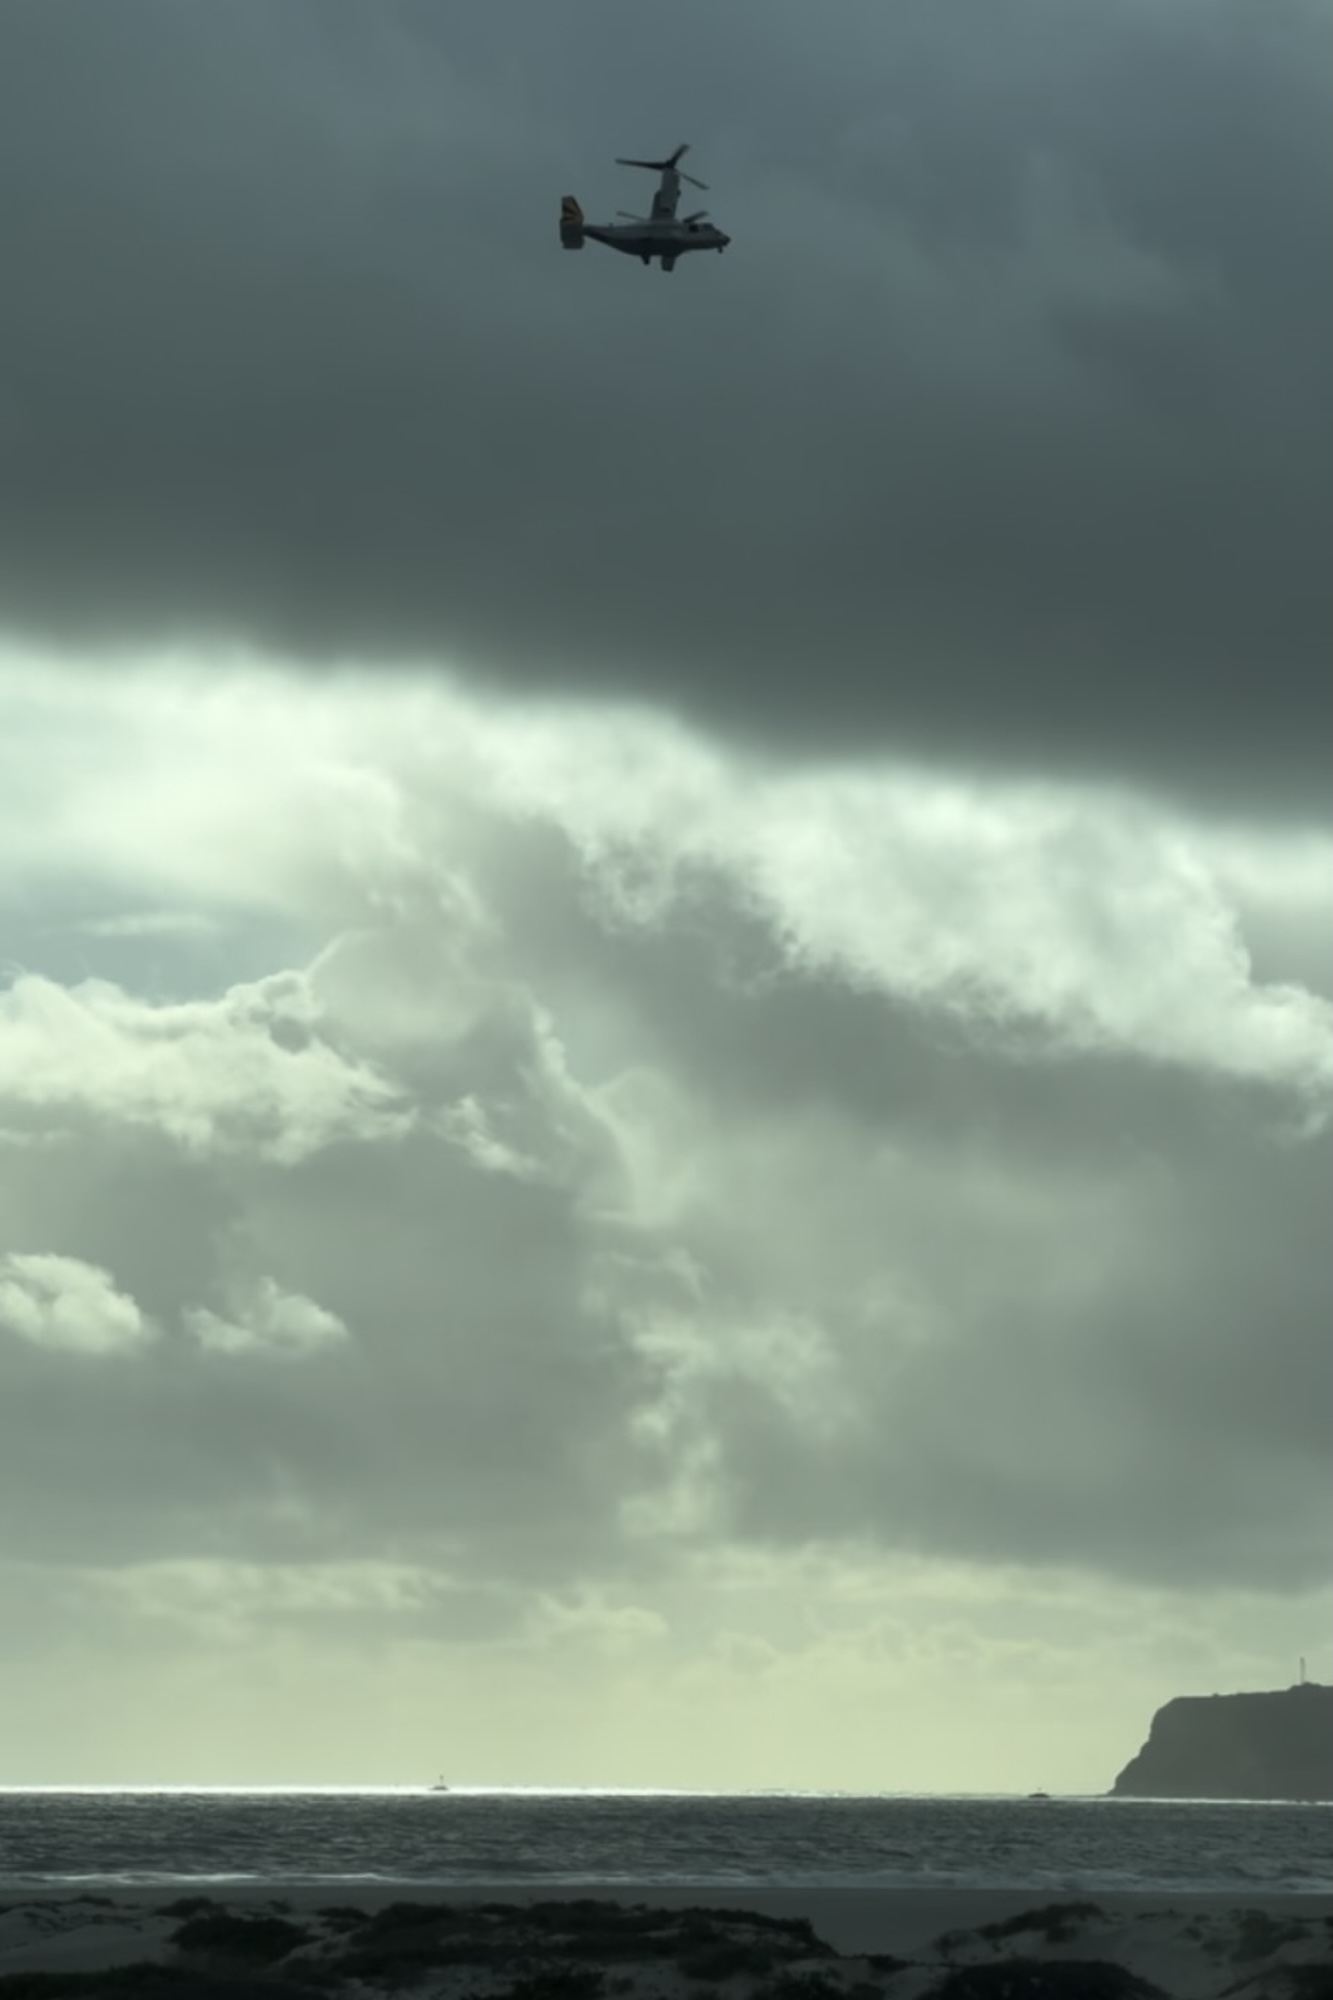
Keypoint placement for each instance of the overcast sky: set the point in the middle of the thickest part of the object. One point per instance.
(667, 1019)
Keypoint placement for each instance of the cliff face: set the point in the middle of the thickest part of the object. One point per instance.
(1237, 1746)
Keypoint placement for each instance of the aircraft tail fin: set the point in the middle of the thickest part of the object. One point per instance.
(571, 223)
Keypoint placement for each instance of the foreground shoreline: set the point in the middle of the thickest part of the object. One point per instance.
(900, 1943)
(850, 1918)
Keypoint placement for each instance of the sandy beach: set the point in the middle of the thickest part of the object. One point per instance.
(898, 1944)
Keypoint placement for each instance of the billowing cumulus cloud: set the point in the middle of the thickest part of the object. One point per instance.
(656, 1145)
(272, 1323)
(1098, 924)
(67, 1306)
(246, 1071)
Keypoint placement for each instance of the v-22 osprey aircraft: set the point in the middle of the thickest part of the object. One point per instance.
(659, 234)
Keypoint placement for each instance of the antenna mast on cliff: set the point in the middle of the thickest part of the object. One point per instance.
(1302, 1670)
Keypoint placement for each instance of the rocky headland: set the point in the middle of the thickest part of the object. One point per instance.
(1275, 1745)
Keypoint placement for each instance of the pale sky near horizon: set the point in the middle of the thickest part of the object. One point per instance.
(666, 980)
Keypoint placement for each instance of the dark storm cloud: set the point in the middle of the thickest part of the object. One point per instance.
(1001, 431)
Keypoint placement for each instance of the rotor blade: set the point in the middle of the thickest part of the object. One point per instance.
(668, 166)
(694, 183)
(629, 217)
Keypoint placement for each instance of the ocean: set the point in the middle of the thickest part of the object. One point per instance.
(79, 1841)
